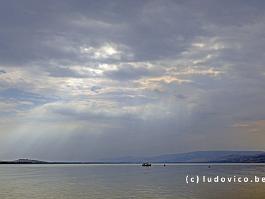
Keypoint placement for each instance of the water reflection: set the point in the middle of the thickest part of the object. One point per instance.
(124, 181)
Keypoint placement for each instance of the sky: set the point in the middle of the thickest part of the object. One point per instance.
(88, 80)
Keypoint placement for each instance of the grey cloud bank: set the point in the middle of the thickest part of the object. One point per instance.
(86, 80)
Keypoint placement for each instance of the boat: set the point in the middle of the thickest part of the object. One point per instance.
(146, 164)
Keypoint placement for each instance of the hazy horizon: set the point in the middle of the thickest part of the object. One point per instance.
(88, 80)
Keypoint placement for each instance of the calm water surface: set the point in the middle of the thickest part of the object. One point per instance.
(124, 181)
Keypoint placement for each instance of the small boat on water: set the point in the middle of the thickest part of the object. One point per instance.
(146, 164)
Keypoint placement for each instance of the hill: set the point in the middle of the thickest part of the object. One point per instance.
(199, 156)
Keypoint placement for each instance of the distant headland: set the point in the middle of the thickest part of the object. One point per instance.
(29, 161)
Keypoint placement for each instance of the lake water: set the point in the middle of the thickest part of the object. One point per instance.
(125, 181)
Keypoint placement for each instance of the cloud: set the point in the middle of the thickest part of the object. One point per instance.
(99, 78)
(106, 51)
(127, 72)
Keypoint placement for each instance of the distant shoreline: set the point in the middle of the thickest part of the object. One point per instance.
(131, 163)
(197, 157)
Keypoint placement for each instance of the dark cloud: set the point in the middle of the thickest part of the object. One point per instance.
(56, 30)
(2, 71)
(64, 72)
